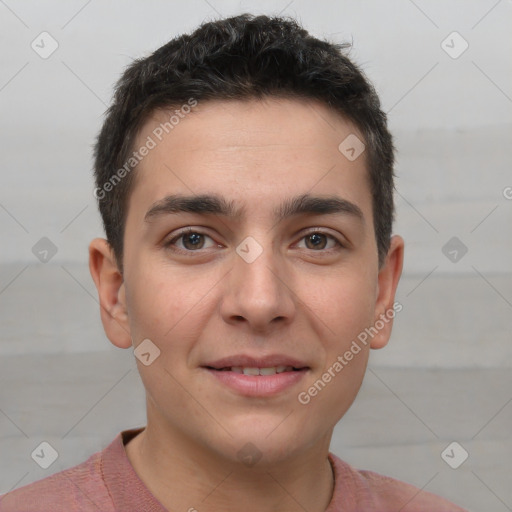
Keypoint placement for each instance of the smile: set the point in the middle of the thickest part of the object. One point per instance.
(272, 370)
(264, 382)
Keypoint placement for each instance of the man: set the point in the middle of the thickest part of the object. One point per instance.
(244, 174)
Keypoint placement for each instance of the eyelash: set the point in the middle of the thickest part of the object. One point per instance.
(171, 243)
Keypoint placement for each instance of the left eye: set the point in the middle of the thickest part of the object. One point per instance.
(320, 241)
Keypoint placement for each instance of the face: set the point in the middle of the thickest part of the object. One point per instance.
(254, 291)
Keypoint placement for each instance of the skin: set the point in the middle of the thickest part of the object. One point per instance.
(294, 299)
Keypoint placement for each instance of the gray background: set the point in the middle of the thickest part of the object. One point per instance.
(445, 375)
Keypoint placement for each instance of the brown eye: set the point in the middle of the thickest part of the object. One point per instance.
(318, 241)
(193, 241)
(190, 241)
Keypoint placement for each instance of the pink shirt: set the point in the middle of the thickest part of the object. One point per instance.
(107, 482)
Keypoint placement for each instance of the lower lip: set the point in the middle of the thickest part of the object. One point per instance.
(258, 385)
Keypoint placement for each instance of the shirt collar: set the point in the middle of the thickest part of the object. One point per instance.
(128, 492)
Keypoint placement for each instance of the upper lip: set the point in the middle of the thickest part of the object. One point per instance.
(246, 361)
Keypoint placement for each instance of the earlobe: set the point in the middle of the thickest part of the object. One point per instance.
(111, 292)
(386, 306)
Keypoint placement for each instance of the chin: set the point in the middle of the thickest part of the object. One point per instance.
(266, 439)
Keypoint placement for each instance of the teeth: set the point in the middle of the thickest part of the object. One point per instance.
(272, 370)
(251, 371)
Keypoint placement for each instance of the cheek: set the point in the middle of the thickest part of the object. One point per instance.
(163, 308)
(347, 310)
(345, 307)
(332, 389)
(160, 302)
(172, 310)
(151, 308)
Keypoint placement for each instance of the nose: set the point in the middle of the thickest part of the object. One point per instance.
(259, 294)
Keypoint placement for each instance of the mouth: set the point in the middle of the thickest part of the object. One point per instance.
(254, 370)
(265, 377)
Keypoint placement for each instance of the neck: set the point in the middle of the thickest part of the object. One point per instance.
(185, 476)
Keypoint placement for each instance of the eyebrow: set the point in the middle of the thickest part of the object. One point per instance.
(204, 204)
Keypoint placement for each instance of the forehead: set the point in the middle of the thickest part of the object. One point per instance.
(255, 150)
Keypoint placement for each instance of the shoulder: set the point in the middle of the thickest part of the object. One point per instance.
(374, 491)
(80, 488)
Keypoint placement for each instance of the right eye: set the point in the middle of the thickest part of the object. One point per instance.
(189, 240)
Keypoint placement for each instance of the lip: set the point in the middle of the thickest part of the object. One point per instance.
(247, 361)
(261, 385)
(258, 386)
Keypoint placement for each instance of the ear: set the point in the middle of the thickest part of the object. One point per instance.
(111, 291)
(389, 275)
